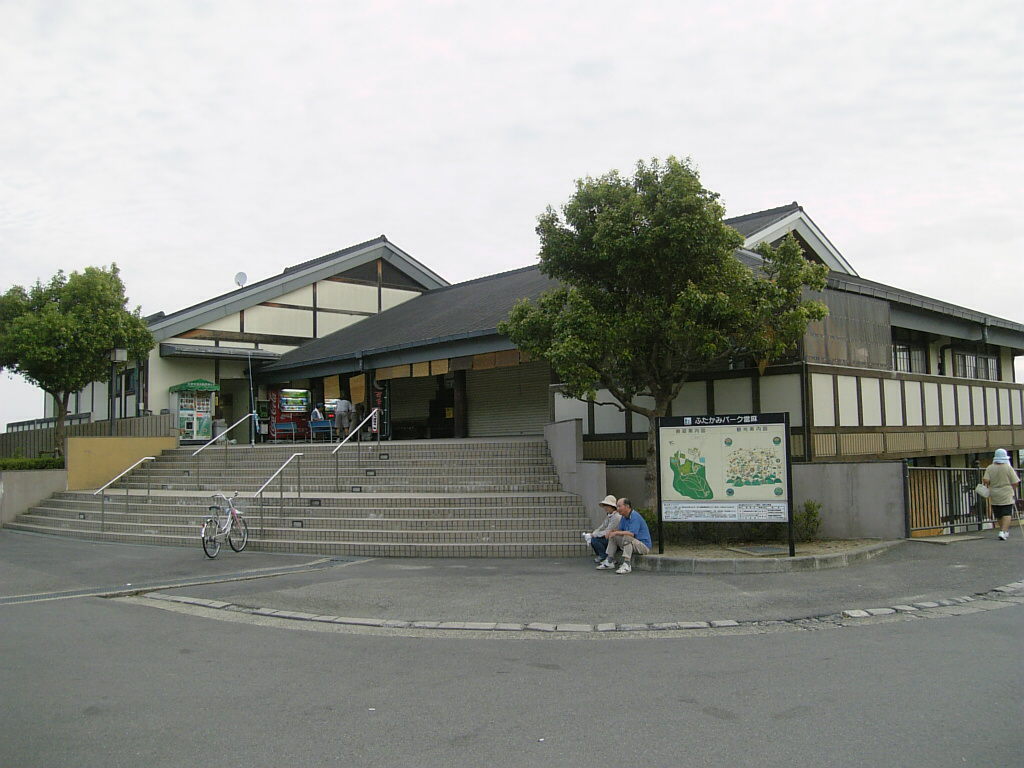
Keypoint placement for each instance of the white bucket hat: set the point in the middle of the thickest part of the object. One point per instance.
(609, 501)
(1001, 456)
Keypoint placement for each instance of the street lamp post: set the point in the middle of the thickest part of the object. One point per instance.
(117, 355)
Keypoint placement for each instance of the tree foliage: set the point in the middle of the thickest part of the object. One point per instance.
(59, 335)
(651, 290)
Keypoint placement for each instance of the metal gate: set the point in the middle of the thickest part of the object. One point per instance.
(942, 500)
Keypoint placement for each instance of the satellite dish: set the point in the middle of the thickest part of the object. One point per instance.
(240, 279)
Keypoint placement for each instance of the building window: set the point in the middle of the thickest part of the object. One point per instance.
(976, 365)
(909, 351)
(909, 358)
(130, 380)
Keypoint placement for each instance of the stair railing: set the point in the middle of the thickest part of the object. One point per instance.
(357, 432)
(103, 497)
(280, 470)
(194, 468)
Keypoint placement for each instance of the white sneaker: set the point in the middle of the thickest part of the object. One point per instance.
(625, 568)
(605, 564)
(1003, 535)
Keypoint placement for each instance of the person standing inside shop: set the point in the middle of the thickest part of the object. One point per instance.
(1002, 481)
(343, 417)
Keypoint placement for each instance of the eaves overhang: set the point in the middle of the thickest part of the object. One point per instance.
(458, 345)
(209, 352)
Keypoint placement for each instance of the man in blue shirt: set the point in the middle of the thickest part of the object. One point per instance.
(632, 537)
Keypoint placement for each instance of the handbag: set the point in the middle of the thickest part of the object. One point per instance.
(982, 490)
(1020, 506)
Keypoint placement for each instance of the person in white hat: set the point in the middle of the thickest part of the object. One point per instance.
(598, 538)
(1002, 481)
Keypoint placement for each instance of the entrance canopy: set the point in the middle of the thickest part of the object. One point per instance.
(196, 385)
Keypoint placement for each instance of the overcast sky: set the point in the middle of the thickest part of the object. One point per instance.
(188, 141)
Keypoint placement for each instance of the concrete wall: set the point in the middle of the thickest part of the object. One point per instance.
(858, 499)
(584, 478)
(93, 461)
(23, 489)
(628, 482)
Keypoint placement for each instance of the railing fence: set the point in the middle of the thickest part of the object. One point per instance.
(943, 501)
(32, 443)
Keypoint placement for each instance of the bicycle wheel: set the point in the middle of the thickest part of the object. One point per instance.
(238, 536)
(211, 546)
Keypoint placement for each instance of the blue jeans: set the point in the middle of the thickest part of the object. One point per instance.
(600, 546)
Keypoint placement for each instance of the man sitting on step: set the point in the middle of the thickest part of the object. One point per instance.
(632, 537)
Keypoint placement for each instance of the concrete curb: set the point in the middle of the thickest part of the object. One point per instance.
(1003, 596)
(743, 565)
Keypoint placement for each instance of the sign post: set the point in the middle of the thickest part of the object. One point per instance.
(730, 468)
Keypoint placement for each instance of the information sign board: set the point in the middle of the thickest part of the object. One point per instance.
(728, 468)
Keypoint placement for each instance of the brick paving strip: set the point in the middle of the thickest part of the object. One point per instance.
(1000, 597)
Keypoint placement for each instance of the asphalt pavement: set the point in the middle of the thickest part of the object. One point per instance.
(560, 591)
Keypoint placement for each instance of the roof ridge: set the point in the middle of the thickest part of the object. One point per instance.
(328, 256)
(162, 316)
(485, 277)
(794, 206)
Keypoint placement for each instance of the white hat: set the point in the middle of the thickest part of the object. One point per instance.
(609, 501)
(1001, 456)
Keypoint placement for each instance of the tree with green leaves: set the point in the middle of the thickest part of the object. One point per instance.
(59, 335)
(651, 292)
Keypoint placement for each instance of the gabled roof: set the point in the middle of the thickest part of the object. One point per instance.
(292, 278)
(775, 223)
(456, 312)
(752, 223)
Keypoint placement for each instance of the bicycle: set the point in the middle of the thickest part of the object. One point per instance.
(233, 527)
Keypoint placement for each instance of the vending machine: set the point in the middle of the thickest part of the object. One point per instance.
(289, 413)
(193, 403)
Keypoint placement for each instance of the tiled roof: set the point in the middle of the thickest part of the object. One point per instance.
(458, 311)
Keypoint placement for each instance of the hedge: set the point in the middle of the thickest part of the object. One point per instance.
(15, 464)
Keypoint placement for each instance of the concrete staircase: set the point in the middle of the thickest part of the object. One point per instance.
(442, 498)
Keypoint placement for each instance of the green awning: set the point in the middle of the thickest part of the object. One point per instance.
(196, 385)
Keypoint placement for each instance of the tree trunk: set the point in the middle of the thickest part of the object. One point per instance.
(59, 429)
(651, 472)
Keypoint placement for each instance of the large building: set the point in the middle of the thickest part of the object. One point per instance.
(888, 375)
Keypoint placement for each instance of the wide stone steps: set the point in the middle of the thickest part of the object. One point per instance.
(315, 518)
(312, 487)
(185, 528)
(411, 499)
(306, 545)
(394, 505)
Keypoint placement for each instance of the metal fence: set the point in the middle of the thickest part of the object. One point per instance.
(33, 443)
(943, 501)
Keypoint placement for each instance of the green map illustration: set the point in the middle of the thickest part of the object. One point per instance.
(688, 478)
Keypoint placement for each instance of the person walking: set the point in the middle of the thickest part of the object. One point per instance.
(1002, 482)
(598, 538)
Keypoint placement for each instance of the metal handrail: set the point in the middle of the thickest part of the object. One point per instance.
(298, 485)
(357, 430)
(223, 434)
(103, 498)
(279, 470)
(194, 464)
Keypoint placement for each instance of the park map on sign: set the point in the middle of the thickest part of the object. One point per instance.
(742, 463)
